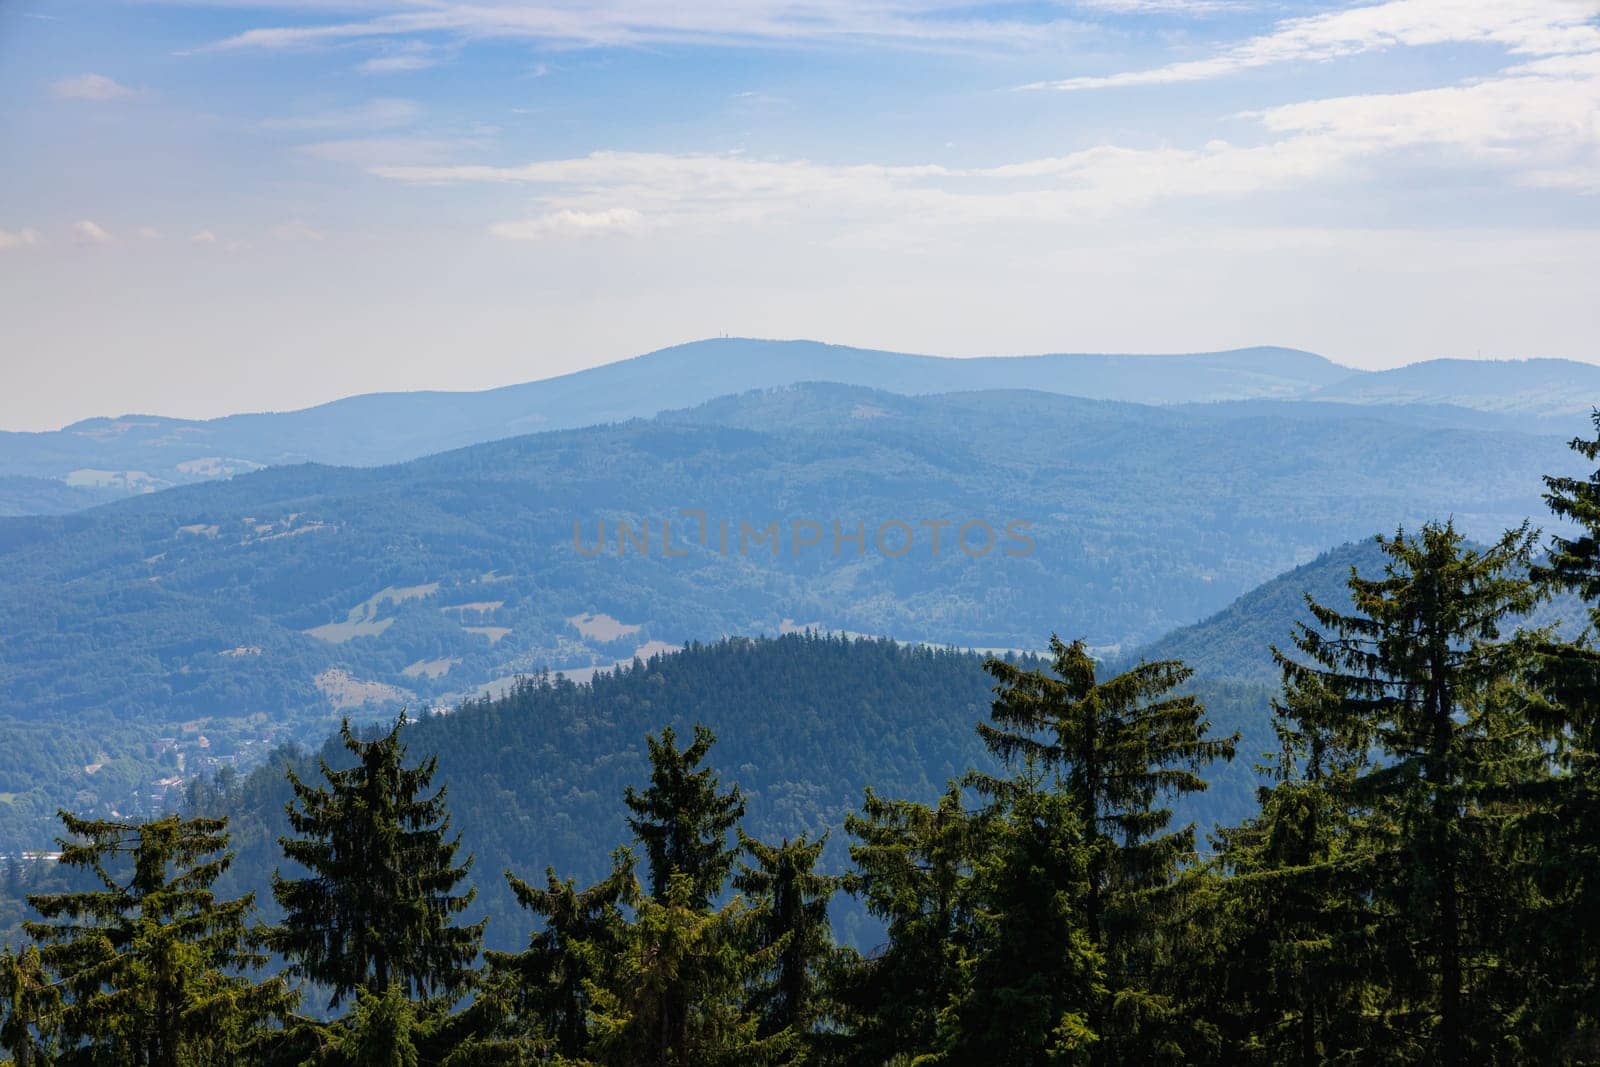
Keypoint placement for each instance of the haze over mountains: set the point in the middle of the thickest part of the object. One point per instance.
(432, 577)
(169, 632)
(175, 631)
(106, 458)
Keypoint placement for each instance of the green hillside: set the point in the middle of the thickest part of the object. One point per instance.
(804, 722)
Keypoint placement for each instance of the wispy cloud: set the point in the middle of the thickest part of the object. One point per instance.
(23, 238)
(1524, 27)
(94, 87)
(380, 114)
(398, 63)
(618, 22)
(571, 223)
(1533, 125)
(403, 57)
(1164, 7)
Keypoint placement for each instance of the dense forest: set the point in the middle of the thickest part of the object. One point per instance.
(1416, 882)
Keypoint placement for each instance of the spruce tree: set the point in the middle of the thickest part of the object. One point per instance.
(1562, 934)
(1118, 747)
(150, 960)
(913, 867)
(1293, 955)
(1031, 974)
(676, 993)
(1419, 674)
(683, 820)
(548, 987)
(378, 905)
(30, 1005)
(790, 919)
(381, 1031)
(676, 997)
(1574, 562)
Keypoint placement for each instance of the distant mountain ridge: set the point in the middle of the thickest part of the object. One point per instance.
(103, 458)
(1539, 387)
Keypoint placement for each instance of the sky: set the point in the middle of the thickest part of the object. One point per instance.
(228, 205)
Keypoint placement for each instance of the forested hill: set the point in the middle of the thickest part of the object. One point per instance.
(804, 724)
(1235, 644)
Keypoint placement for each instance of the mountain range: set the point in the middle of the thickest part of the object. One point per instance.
(173, 632)
(100, 459)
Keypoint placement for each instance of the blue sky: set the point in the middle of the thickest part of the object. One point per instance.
(227, 205)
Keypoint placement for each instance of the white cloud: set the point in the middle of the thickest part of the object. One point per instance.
(95, 87)
(203, 237)
(90, 232)
(621, 22)
(149, 233)
(1523, 27)
(379, 114)
(570, 223)
(1541, 124)
(22, 238)
(398, 63)
(1163, 7)
(1533, 126)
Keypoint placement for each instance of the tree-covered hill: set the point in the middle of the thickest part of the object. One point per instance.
(805, 723)
(1235, 644)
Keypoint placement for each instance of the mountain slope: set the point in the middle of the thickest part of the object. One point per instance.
(1234, 644)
